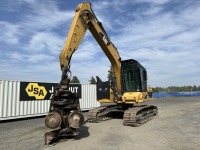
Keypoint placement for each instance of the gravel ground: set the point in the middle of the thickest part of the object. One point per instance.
(177, 127)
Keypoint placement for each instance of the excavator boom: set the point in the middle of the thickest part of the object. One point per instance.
(85, 19)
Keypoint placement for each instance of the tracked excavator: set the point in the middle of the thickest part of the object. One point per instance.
(127, 89)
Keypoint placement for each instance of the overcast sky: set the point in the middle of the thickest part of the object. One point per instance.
(163, 35)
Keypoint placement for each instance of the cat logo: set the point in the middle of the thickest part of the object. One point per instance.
(104, 38)
(33, 89)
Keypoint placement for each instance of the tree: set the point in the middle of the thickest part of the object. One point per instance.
(110, 74)
(177, 88)
(75, 80)
(194, 88)
(92, 80)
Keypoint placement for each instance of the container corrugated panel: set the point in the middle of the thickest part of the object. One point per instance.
(12, 108)
(89, 97)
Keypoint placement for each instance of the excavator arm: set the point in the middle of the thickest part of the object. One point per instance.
(85, 19)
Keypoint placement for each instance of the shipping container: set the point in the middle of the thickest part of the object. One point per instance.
(12, 106)
(89, 97)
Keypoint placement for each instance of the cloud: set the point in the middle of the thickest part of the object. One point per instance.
(162, 35)
(44, 42)
(88, 68)
(29, 58)
(154, 2)
(46, 17)
(87, 50)
(165, 43)
(9, 33)
(15, 56)
(23, 67)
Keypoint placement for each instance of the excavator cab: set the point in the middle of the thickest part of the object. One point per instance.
(133, 76)
(133, 79)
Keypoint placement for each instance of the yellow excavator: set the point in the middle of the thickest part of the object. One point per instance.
(123, 93)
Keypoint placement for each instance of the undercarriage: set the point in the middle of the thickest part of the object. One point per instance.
(132, 115)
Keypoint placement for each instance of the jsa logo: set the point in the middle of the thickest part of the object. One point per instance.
(33, 89)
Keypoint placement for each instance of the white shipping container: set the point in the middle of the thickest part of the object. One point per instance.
(89, 97)
(12, 108)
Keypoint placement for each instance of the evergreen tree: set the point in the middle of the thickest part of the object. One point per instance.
(194, 88)
(110, 74)
(75, 80)
(92, 80)
(198, 88)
